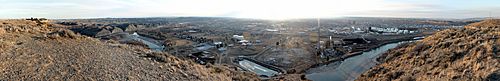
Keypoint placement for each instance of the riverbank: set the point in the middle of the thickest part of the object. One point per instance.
(358, 53)
(301, 75)
(350, 68)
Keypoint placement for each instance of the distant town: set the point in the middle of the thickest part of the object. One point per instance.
(276, 48)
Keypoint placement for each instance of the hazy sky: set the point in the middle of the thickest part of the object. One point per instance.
(267, 9)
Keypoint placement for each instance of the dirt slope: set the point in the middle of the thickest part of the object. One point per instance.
(469, 54)
(49, 52)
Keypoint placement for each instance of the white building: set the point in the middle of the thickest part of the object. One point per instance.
(238, 37)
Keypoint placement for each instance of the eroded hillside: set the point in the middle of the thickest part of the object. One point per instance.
(39, 51)
(471, 53)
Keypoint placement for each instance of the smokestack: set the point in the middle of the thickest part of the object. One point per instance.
(319, 36)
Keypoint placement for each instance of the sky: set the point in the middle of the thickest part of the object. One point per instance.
(262, 9)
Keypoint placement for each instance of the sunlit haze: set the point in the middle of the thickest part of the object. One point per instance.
(264, 9)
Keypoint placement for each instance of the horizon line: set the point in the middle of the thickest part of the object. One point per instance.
(247, 18)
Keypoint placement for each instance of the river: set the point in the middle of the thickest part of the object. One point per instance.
(148, 41)
(350, 68)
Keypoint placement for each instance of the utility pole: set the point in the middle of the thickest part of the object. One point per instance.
(319, 37)
(489, 15)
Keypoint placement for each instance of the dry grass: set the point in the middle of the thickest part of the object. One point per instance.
(468, 54)
(32, 52)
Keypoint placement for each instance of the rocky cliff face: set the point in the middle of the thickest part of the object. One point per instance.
(50, 52)
(471, 53)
